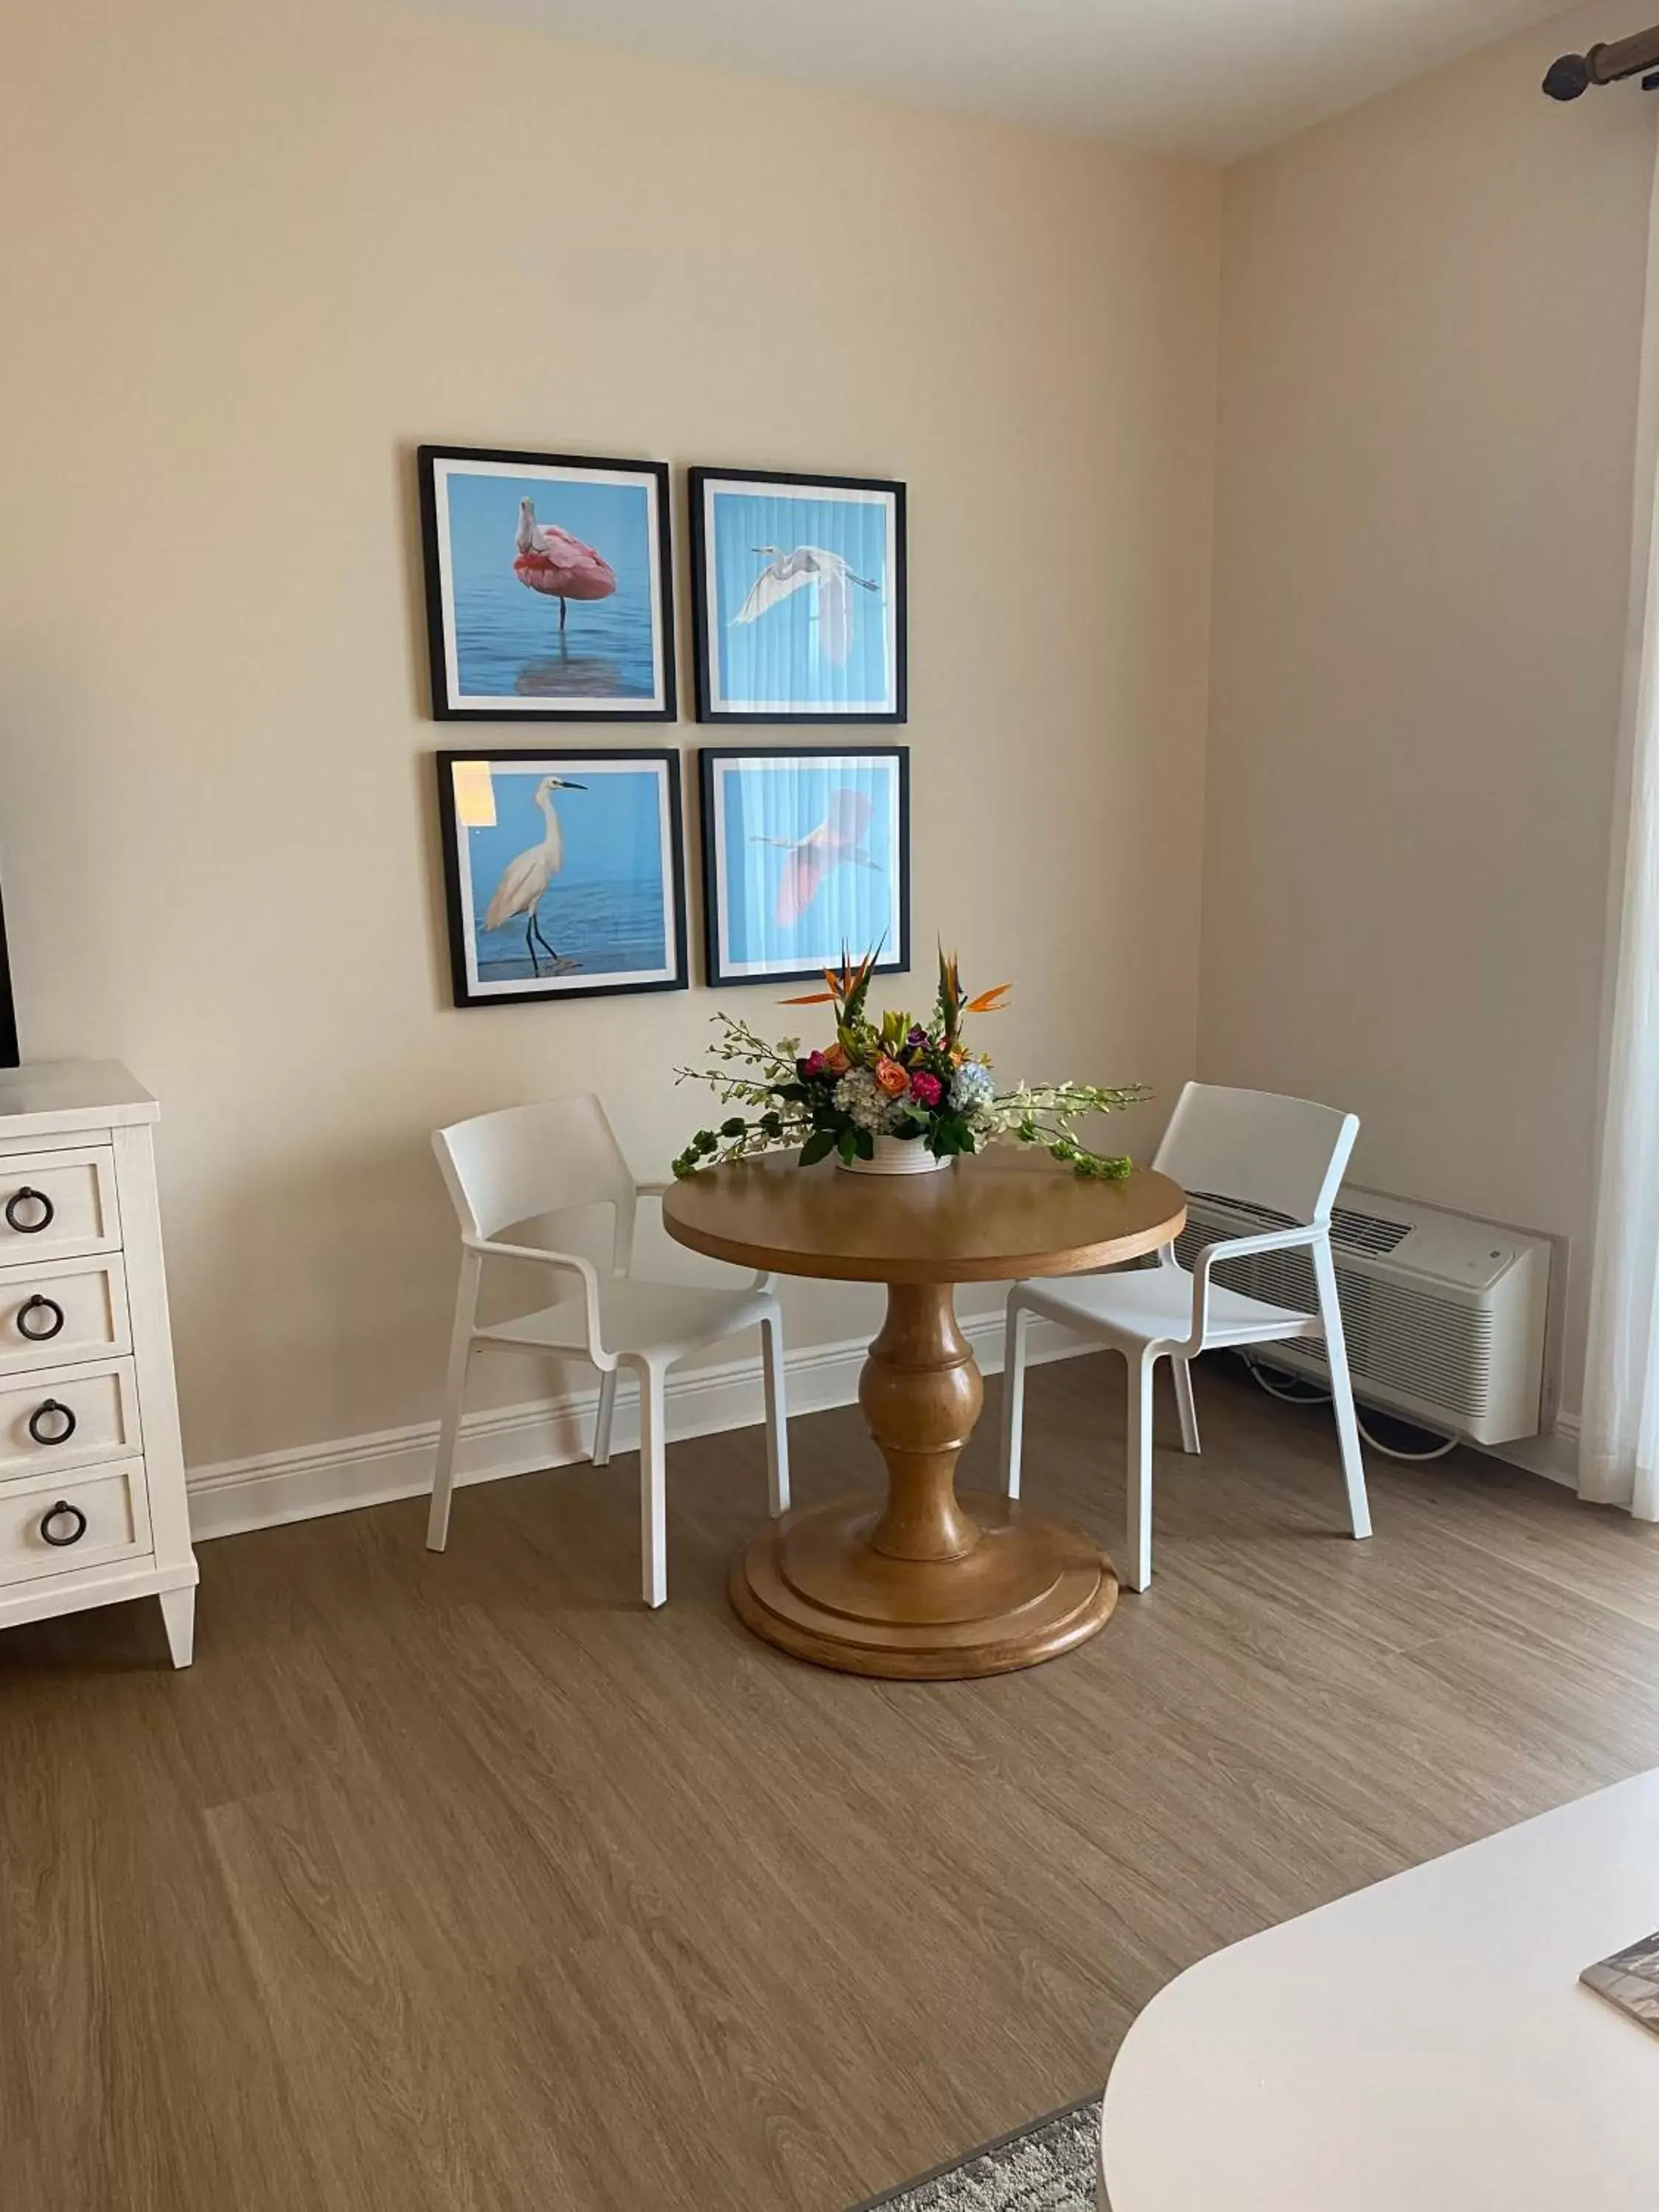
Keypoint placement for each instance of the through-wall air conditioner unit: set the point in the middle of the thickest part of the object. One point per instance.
(1446, 1317)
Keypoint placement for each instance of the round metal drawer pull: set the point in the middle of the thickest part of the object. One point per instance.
(46, 1412)
(41, 1304)
(62, 1510)
(27, 1197)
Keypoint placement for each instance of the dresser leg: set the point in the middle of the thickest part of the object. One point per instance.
(178, 1614)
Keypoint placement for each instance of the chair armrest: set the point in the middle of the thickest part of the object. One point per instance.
(569, 1263)
(1240, 1248)
(660, 1190)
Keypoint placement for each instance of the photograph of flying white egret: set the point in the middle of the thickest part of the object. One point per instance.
(797, 605)
(831, 582)
(563, 875)
(805, 853)
(549, 587)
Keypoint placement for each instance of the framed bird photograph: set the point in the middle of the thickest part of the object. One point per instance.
(806, 857)
(549, 587)
(563, 874)
(797, 597)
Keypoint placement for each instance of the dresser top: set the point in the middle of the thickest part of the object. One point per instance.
(50, 1095)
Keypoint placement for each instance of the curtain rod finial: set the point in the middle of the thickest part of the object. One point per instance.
(1567, 78)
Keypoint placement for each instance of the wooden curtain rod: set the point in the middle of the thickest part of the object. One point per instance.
(1604, 64)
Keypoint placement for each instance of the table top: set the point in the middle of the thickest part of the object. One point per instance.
(1423, 2044)
(992, 1217)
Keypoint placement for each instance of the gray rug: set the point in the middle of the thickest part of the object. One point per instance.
(1050, 2166)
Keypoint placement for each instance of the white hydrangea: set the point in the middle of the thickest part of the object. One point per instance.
(972, 1089)
(864, 1102)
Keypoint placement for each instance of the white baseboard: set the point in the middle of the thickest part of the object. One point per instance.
(313, 1480)
(1555, 1457)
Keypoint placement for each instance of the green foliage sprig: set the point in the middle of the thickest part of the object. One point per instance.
(888, 1077)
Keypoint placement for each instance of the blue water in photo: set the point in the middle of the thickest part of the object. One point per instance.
(778, 658)
(767, 809)
(508, 641)
(606, 910)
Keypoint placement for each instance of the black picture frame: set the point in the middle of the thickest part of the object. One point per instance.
(448, 703)
(711, 705)
(468, 987)
(718, 972)
(11, 1056)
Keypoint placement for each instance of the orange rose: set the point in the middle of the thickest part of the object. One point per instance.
(837, 1059)
(891, 1077)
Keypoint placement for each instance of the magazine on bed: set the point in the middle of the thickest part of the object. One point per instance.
(1630, 1980)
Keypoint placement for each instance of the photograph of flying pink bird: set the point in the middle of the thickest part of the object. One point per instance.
(841, 840)
(551, 561)
(805, 853)
(827, 575)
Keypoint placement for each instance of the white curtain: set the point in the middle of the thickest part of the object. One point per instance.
(1618, 1449)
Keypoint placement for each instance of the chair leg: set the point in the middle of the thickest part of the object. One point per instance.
(461, 1354)
(1138, 1570)
(777, 1423)
(653, 1534)
(1182, 1372)
(1013, 1394)
(1347, 1424)
(603, 1418)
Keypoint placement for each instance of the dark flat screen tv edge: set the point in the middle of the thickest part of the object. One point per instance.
(9, 1054)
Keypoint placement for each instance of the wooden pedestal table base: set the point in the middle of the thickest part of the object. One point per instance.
(922, 1583)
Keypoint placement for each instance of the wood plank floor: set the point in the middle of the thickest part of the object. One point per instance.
(462, 1882)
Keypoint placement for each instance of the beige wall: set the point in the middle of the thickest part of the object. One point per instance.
(1432, 311)
(252, 257)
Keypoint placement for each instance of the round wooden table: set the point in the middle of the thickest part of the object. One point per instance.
(920, 1582)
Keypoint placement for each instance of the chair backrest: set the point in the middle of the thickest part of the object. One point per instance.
(1287, 1154)
(529, 1160)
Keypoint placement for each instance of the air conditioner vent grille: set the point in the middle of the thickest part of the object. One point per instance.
(1264, 1216)
(1367, 1232)
(1349, 1230)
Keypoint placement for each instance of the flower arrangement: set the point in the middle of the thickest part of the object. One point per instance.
(888, 1077)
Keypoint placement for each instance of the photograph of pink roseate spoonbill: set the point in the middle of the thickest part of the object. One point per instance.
(829, 575)
(841, 840)
(549, 585)
(525, 880)
(551, 561)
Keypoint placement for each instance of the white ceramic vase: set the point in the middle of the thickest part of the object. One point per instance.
(897, 1156)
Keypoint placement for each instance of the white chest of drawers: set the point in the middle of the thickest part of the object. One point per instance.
(91, 1478)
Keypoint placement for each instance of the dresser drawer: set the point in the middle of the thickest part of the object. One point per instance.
(63, 1312)
(104, 1517)
(80, 1415)
(54, 1206)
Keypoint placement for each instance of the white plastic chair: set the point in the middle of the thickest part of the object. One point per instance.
(1285, 1155)
(530, 1161)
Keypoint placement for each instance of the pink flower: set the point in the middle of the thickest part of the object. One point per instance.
(927, 1090)
(812, 1064)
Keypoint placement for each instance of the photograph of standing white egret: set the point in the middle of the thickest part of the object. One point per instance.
(806, 858)
(563, 874)
(548, 582)
(797, 597)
